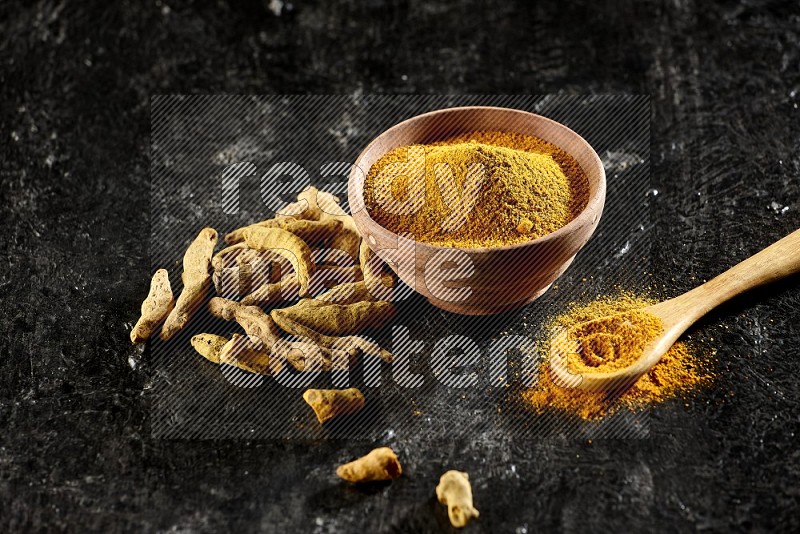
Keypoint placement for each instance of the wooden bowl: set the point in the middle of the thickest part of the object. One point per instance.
(488, 280)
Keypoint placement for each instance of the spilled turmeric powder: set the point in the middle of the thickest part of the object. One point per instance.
(613, 332)
(483, 189)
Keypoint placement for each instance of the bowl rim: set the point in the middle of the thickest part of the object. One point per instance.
(594, 205)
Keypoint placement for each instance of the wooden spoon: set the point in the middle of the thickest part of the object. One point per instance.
(777, 261)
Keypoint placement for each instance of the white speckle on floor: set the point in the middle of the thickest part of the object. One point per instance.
(777, 208)
(276, 6)
(619, 160)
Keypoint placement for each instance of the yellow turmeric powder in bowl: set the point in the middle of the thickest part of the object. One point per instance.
(483, 189)
(613, 331)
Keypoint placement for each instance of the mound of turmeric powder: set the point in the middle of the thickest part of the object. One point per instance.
(483, 189)
(613, 332)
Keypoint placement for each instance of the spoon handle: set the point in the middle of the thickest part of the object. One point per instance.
(777, 261)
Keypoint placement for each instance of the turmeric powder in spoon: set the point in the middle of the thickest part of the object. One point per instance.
(611, 333)
(612, 342)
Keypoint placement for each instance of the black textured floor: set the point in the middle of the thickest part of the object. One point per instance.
(75, 446)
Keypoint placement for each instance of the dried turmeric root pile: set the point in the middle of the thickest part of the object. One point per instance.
(311, 259)
(289, 258)
(312, 255)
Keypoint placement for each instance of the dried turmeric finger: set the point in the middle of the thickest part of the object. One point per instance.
(209, 345)
(249, 354)
(348, 293)
(327, 206)
(237, 236)
(332, 257)
(330, 403)
(337, 319)
(250, 276)
(252, 319)
(348, 239)
(287, 245)
(306, 206)
(350, 344)
(455, 492)
(222, 308)
(226, 282)
(379, 279)
(286, 290)
(267, 268)
(379, 464)
(309, 195)
(299, 210)
(303, 356)
(196, 280)
(155, 308)
(312, 232)
(317, 233)
(238, 270)
(327, 203)
(329, 276)
(243, 279)
(307, 356)
(227, 256)
(369, 262)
